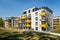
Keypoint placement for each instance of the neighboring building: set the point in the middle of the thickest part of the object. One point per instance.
(7, 23)
(56, 22)
(11, 22)
(38, 19)
(17, 22)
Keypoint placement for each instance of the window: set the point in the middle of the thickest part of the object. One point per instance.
(36, 13)
(54, 27)
(36, 23)
(43, 17)
(30, 23)
(36, 28)
(34, 9)
(43, 22)
(29, 11)
(29, 15)
(43, 29)
(6, 25)
(36, 18)
(24, 12)
(29, 27)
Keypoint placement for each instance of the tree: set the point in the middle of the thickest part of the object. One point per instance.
(1, 22)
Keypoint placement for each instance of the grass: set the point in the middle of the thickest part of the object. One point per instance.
(56, 30)
(14, 34)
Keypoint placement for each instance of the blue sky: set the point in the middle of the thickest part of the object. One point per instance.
(16, 7)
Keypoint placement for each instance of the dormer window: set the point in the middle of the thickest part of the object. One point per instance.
(28, 11)
(34, 9)
(24, 12)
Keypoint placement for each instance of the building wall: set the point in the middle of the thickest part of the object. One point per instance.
(56, 22)
(6, 24)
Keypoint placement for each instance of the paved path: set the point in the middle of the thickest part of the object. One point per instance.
(58, 34)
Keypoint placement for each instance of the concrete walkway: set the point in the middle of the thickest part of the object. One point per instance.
(57, 34)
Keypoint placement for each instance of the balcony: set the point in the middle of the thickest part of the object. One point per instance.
(23, 17)
(16, 25)
(44, 25)
(17, 19)
(28, 20)
(56, 23)
(43, 14)
(28, 25)
(43, 19)
(29, 16)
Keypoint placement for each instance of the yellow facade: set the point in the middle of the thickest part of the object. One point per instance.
(16, 25)
(24, 17)
(28, 20)
(28, 25)
(43, 14)
(44, 25)
(55, 22)
(17, 19)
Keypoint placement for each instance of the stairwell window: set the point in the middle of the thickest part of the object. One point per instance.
(36, 23)
(36, 18)
(28, 11)
(36, 28)
(36, 13)
(29, 15)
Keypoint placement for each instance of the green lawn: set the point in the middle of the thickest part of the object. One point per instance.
(12, 34)
(57, 30)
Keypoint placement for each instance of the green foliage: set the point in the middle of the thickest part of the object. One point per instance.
(57, 30)
(1, 22)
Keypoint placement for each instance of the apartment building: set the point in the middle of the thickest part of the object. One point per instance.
(11, 22)
(38, 19)
(56, 22)
(7, 23)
